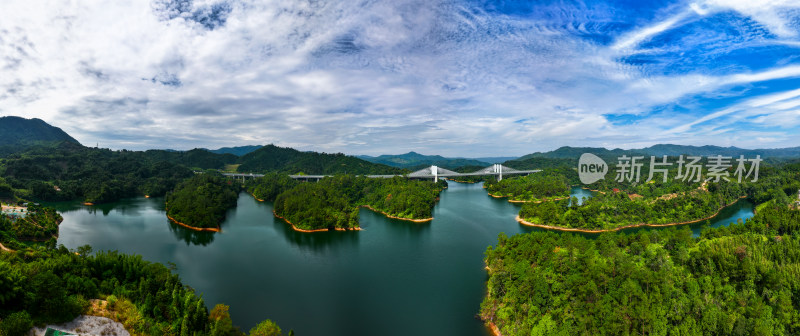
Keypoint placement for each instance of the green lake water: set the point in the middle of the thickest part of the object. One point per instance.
(392, 278)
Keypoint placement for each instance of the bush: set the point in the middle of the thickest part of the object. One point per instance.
(16, 324)
(266, 328)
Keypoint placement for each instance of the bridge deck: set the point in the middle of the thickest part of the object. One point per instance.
(478, 173)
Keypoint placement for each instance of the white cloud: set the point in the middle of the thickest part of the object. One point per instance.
(638, 36)
(368, 77)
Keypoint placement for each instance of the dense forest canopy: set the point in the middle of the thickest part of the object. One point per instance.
(202, 200)
(740, 280)
(546, 185)
(650, 200)
(40, 224)
(70, 172)
(333, 201)
(617, 209)
(268, 187)
(19, 134)
(40, 285)
(272, 158)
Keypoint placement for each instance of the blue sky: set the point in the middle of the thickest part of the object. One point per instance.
(456, 78)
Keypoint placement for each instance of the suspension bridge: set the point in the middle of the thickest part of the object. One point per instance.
(432, 172)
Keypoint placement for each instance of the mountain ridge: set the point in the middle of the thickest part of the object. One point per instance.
(568, 152)
(20, 133)
(413, 160)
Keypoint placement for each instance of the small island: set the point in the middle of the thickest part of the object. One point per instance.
(333, 202)
(538, 187)
(200, 203)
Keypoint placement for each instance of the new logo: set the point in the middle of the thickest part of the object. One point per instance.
(591, 168)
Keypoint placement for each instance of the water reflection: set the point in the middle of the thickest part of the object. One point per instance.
(580, 193)
(190, 236)
(128, 207)
(318, 242)
(398, 228)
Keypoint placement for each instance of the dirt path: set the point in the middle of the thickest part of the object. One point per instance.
(2, 247)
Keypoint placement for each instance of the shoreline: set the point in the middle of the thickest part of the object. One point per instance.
(257, 199)
(629, 226)
(314, 230)
(459, 181)
(421, 220)
(518, 201)
(216, 229)
(342, 229)
(493, 328)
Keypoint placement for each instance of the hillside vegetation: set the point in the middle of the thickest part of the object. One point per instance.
(202, 201)
(20, 134)
(333, 202)
(740, 280)
(272, 158)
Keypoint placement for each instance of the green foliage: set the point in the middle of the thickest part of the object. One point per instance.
(266, 328)
(740, 280)
(221, 323)
(415, 161)
(272, 158)
(19, 134)
(662, 202)
(618, 209)
(534, 187)
(49, 286)
(202, 200)
(18, 323)
(267, 188)
(195, 158)
(6, 191)
(40, 223)
(93, 175)
(333, 201)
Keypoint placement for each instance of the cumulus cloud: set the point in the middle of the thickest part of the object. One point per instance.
(372, 77)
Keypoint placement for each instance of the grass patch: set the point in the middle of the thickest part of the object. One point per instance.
(231, 168)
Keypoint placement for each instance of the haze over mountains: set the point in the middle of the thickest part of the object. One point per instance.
(19, 134)
(665, 149)
(412, 160)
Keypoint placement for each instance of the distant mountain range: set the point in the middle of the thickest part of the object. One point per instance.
(238, 150)
(664, 149)
(20, 134)
(414, 160)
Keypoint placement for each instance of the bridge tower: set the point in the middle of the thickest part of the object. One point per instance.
(435, 172)
(498, 169)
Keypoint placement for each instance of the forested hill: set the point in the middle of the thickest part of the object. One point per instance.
(288, 160)
(71, 171)
(195, 158)
(414, 161)
(19, 133)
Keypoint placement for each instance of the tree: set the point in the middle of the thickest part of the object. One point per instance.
(221, 323)
(84, 250)
(18, 323)
(266, 328)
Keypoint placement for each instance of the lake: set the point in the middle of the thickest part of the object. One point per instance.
(392, 278)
